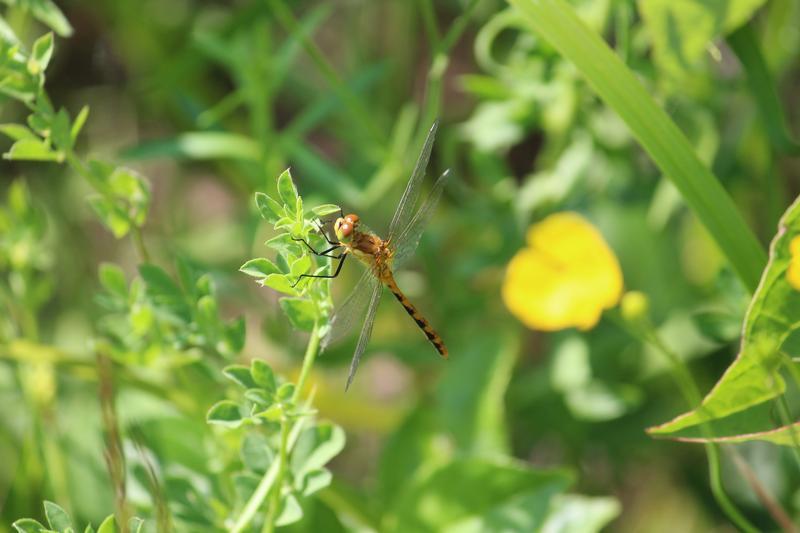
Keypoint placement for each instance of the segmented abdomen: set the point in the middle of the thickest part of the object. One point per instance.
(423, 324)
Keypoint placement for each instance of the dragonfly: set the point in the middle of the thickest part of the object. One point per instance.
(381, 257)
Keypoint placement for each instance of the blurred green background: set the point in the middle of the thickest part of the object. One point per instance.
(212, 100)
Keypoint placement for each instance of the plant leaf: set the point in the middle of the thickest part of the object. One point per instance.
(57, 517)
(270, 210)
(325, 209)
(300, 311)
(287, 191)
(753, 378)
(259, 268)
(225, 413)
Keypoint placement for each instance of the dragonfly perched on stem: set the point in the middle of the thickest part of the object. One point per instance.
(381, 257)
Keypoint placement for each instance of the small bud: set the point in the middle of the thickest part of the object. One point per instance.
(635, 306)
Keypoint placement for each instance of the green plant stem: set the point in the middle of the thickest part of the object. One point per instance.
(136, 232)
(312, 349)
(138, 240)
(557, 23)
(273, 477)
(429, 21)
(786, 420)
(760, 80)
(275, 498)
(690, 392)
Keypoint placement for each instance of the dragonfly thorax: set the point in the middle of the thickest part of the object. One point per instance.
(345, 227)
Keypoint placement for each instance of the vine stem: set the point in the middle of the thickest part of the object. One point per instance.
(683, 378)
(273, 477)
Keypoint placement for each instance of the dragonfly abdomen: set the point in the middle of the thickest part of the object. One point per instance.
(423, 324)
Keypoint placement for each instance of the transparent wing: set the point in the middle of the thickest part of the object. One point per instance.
(366, 332)
(351, 311)
(407, 241)
(410, 196)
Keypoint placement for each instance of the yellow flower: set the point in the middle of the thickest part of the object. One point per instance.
(793, 274)
(565, 277)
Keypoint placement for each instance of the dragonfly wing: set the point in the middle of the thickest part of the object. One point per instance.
(410, 196)
(351, 310)
(408, 239)
(366, 332)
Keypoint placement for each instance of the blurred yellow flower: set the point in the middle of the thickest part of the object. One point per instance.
(793, 273)
(565, 277)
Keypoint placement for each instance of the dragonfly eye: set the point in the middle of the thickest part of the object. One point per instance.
(351, 219)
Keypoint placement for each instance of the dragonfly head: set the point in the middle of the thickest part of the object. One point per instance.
(345, 226)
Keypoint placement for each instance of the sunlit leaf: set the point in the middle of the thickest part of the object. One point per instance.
(301, 312)
(286, 189)
(269, 209)
(225, 413)
(753, 377)
(57, 517)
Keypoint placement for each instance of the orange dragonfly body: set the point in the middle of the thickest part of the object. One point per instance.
(381, 257)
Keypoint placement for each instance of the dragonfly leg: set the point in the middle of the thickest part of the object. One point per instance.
(341, 257)
(324, 253)
(322, 232)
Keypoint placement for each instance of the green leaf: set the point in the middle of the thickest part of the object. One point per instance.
(258, 396)
(283, 243)
(753, 377)
(256, 453)
(135, 525)
(32, 150)
(47, 12)
(60, 131)
(280, 283)
(316, 446)
(315, 481)
(7, 33)
(235, 336)
(28, 525)
(112, 278)
(300, 266)
(467, 488)
(161, 286)
(284, 392)
(473, 390)
(557, 23)
(301, 312)
(115, 220)
(77, 125)
(109, 525)
(89, 529)
(225, 413)
(290, 511)
(41, 53)
(325, 209)
(782, 436)
(18, 132)
(57, 517)
(269, 209)
(240, 375)
(273, 413)
(682, 29)
(287, 191)
(263, 375)
(575, 513)
(259, 268)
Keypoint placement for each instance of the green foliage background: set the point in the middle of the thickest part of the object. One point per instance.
(143, 374)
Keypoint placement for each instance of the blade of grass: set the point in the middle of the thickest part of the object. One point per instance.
(762, 86)
(355, 105)
(557, 23)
